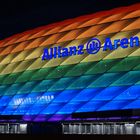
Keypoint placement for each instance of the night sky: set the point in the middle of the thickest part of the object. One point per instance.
(21, 15)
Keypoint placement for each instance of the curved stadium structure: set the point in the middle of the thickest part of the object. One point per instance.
(58, 90)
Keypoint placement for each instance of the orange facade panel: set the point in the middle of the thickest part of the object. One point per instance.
(112, 18)
(24, 37)
(7, 50)
(53, 30)
(20, 46)
(133, 25)
(71, 26)
(132, 14)
(84, 21)
(12, 41)
(70, 35)
(91, 22)
(38, 34)
(115, 27)
(92, 31)
(35, 43)
(51, 39)
(2, 43)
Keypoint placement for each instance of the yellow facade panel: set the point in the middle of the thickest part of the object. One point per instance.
(35, 53)
(7, 59)
(37, 63)
(74, 59)
(21, 56)
(9, 68)
(23, 65)
(95, 57)
(120, 53)
(53, 62)
(2, 67)
(135, 53)
(121, 35)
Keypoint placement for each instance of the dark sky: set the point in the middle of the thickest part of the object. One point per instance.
(20, 15)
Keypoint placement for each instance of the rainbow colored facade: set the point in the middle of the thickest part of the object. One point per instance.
(52, 90)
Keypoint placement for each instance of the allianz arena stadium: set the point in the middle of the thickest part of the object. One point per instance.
(84, 94)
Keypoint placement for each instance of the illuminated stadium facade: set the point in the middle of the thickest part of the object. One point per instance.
(87, 88)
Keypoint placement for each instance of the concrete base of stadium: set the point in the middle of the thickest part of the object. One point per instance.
(84, 128)
(102, 128)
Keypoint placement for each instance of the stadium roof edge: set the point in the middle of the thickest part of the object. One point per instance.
(78, 19)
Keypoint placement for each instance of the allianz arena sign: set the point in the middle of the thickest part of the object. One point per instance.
(93, 46)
